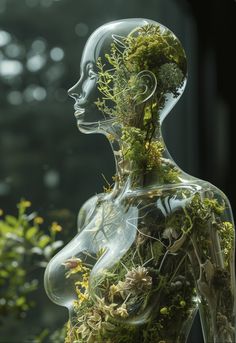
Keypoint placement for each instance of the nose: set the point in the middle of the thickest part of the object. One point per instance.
(73, 92)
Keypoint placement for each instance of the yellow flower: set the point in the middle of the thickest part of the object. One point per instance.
(83, 330)
(72, 263)
(1, 212)
(25, 203)
(122, 311)
(75, 265)
(112, 291)
(110, 137)
(84, 283)
(108, 310)
(164, 310)
(38, 220)
(82, 296)
(56, 227)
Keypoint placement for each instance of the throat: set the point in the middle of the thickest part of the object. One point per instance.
(141, 161)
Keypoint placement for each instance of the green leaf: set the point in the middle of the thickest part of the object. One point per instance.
(5, 228)
(11, 220)
(4, 273)
(44, 240)
(31, 232)
(20, 301)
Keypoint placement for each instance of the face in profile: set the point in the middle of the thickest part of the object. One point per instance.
(83, 92)
(125, 65)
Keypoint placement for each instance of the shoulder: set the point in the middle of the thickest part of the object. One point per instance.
(210, 191)
(87, 210)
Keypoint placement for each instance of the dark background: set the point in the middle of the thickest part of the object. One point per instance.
(45, 159)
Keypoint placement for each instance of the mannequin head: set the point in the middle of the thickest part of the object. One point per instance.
(129, 68)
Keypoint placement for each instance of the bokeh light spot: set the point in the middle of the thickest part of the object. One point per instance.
(2, 301)
(34, 93)
(14, 98)
(13, 50)
(39, 93)
(56, 54)
(51, 178)
(35, 63)
(39, 46)
(10, 68)
(5, 38)
(81, 29)
(4, 188)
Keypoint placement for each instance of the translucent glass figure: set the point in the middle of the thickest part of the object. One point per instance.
(159, 245)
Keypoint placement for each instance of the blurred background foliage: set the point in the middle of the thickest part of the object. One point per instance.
(45, 159)
(26, 248)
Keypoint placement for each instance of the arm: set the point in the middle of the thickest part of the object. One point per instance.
(212, 258)
(86, 211)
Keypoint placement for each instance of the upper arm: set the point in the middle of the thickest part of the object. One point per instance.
(87, 210)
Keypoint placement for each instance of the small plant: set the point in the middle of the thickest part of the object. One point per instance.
(25, 249)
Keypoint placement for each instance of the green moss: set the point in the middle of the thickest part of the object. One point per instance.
(147, 48)
(226, 233)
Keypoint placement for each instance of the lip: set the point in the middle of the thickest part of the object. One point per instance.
(79, 111)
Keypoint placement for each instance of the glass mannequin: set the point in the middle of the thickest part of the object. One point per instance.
(159, 245)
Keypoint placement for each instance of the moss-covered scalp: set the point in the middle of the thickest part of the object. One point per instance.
(141, 75)
(149, 48)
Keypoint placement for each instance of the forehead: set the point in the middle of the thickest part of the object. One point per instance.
(94, 45)
(99, 42)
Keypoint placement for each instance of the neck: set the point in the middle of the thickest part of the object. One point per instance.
(142, 159)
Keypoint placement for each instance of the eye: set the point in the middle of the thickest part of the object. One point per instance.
(91, 72)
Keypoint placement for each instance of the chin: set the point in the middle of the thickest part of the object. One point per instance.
(88, 127)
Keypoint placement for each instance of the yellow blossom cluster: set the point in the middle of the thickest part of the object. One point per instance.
(74, 266)
(38, 220)
(56, 227)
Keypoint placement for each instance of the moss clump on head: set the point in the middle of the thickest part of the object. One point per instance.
(149, 47)
(145, 48)
(125, 92)
(170, 76)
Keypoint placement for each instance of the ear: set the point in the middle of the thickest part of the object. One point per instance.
(119, 41)
(148, 84)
